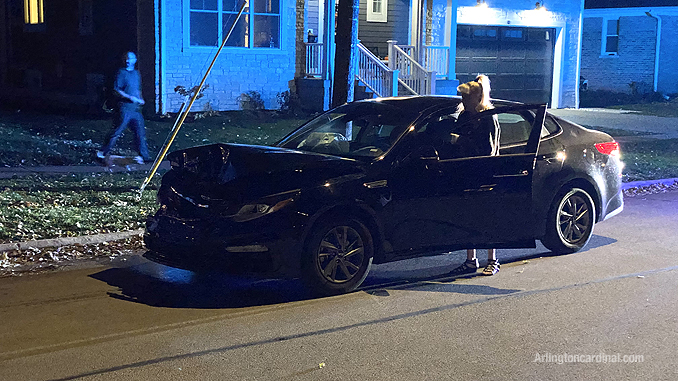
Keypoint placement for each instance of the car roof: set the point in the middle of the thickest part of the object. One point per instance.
(424, 102)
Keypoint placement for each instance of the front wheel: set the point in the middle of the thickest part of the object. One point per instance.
(570, 222)
(337, 256)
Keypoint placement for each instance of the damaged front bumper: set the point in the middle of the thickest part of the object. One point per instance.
(268, 246)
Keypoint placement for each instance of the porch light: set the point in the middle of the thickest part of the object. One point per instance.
(481, 4)
(540, 6)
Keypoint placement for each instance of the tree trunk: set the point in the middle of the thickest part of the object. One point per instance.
(346, 45)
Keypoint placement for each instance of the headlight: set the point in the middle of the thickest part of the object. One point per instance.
(266, 205)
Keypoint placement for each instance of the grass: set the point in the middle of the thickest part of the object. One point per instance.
(39, 207)
(665, 109)
(39, 139)
(650, 159)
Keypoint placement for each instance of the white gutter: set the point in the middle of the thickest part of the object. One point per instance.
(657, 48)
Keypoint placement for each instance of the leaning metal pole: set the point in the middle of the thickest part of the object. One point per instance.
(182, 116)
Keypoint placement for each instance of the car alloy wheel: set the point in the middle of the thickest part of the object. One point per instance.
(338, 256)
(570, 221)
(574, 218)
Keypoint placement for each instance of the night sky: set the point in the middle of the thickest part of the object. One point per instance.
(627, 3)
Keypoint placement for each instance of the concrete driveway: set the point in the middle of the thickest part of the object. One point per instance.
(663, 127)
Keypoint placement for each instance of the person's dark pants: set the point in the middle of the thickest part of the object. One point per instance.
(130, 116)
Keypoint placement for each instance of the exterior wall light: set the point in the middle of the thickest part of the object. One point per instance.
(481, 4)
(539, 6)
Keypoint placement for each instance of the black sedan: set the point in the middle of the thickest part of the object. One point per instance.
(379, 181)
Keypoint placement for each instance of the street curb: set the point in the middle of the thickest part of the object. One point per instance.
(81, 240)
(99, 238)
(646, 183)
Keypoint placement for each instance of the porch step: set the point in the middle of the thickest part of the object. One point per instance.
(362, 92)
(402, 91)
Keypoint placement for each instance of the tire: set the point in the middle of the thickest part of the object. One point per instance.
(337, 256)
(570, 221)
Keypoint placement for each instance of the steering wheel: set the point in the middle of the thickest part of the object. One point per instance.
(372, 150)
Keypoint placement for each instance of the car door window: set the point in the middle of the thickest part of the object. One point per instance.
(515, 129)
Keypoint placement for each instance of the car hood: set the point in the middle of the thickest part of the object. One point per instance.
(248, 172)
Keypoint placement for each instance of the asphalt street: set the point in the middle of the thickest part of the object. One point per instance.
(139, 321)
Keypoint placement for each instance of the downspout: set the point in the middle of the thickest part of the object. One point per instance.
(656, 48)
(578, 68)
(162, 86)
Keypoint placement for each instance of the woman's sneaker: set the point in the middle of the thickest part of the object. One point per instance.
(468, 267)
(491, 268)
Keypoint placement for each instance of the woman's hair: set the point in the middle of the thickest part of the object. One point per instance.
(480, 89)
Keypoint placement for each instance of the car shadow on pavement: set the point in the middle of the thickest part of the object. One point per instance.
(161, 286)
(438, 279)
(157, 285)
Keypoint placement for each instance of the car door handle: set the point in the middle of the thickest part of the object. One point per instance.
(550, 158)
(519, 174)
(483, 188)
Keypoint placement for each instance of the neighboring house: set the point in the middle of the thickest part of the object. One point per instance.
(63, 56)
(530, 54)
(636, 44)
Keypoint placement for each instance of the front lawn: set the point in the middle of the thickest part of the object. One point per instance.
(40, 139)
(51, 206)
(666, 109)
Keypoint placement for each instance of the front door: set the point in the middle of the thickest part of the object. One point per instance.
(466, 201)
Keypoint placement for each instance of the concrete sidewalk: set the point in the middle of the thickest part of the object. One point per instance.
(9, 172)
(659, 127)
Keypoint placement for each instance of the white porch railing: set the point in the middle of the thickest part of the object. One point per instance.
(414, 77)
(314, 59)
(437, 58)
(434, 58)
(379, 78)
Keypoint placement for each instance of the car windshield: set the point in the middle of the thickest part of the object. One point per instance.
(361, 129)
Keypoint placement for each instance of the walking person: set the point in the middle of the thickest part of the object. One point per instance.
(128, 87)
(479, 138)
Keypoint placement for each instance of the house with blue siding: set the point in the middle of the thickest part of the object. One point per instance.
(631, 48)
(530, 52)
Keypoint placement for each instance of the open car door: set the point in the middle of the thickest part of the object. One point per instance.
(473, 201)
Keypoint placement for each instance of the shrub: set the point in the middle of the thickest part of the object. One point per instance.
(289, 103)
(181, 90)
(251, 100)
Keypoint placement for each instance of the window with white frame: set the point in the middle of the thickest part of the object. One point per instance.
(33, 12)
(377, 10)
(610, 37)
(258, 27)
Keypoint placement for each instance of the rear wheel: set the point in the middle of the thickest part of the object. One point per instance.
(570, 221)
(337, 256)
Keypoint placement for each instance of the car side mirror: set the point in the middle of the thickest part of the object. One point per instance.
(426, 153)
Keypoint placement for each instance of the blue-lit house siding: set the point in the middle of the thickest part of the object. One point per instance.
(637, 54)
(562, 15)
(266, 70)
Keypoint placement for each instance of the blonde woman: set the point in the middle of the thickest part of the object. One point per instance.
(478, 137)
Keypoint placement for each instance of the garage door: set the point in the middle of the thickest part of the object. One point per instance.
(519, 61)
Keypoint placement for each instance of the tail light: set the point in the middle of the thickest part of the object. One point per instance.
(609, 148)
